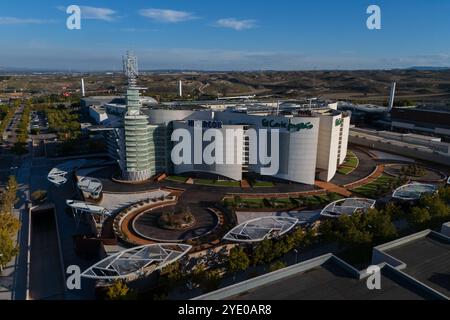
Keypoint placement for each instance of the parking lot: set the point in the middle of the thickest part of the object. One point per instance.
(39, 122)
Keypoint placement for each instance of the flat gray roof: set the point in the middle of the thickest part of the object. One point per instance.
(427, 259)
(332, 282)
(325, 278)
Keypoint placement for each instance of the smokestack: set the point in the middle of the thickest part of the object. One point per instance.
(180, 89)
(392, 98)
(83, 92)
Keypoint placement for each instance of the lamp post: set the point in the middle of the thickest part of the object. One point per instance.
(296, 255)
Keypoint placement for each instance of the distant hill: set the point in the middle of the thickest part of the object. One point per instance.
(424, 68)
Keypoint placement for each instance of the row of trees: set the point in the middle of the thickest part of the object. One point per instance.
(360, 232)
(6, 115)
(431, 211)
(9, 224)
(20, 146)
(269, 250)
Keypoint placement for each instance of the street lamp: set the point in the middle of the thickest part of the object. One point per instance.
(296, 254)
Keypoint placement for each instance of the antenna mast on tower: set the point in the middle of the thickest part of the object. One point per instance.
(130, 68)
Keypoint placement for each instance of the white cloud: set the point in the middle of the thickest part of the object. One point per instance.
(94, 13)
(19, 21)
(166, 15)
(236, 24)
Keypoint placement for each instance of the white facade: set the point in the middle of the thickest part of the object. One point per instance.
(98, 114)
(311, 144)
(233, 170)
(333, 143)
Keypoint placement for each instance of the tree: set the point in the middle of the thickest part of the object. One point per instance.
(332, 197)
(419, 217)
(238, 260)
(173, 273)
(8, 248)
(360, 230)
(263, 252)
(9, 196)
(9, 223)
(211, 281)
(278, 265)
(444, 194)
(39, 195)
(120, 291)
(438, 209)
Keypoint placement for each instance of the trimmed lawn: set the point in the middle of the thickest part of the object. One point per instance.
(233, 184)
(177, 179)
(207, 182)
(346, 170)
(262, 184)
(371, 190)
(287, 203)
(351, 164)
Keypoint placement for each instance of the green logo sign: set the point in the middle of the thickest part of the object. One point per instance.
(339, 122)
(287, 125)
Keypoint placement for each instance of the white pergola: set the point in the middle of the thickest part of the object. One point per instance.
(58, 175)
(81, 209)
(413, 191)
(92, 186)
(136, 262)
(347, 207)
(260, 229)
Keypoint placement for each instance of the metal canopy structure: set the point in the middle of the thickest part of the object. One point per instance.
(413, 191)
(136, 262)
(261, 229)
(92, 186)
(347, 207)
(87, 208)
(58, 175)
(81, 209)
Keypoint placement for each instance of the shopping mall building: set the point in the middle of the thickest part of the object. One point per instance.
(311, 144)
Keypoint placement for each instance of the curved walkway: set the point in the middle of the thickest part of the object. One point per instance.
(366, 166)
(330, 187)
(378, 172)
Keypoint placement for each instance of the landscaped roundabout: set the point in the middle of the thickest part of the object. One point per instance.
(162, 220)
(172, 224)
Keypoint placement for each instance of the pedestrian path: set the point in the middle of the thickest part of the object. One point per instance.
(330, 187)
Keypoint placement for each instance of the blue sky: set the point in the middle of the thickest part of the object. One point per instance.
(225, 34)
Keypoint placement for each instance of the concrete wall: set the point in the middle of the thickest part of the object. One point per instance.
(446, 229)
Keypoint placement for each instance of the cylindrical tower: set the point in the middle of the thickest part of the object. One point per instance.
(136, 155)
